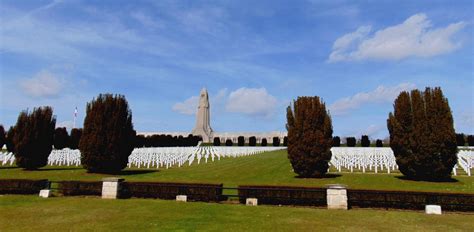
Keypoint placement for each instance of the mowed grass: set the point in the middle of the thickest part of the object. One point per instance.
(272, 168)
(31, 213)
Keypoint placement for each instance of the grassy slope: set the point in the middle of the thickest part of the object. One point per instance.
(267, 169)
(31, 213)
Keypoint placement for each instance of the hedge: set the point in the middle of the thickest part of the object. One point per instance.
(22, 186)
(163, 190)
(80, 188)
(283, 195)
(409, 200)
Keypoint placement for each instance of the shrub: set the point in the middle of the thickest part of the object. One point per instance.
(264, 142)
(108, 136)
(33, 137)
(240, 141)
(3, 138)
(61, 138)
(379, 143)
(285, 141)
(217, 141)
(336, 141)
(351, 141)
(75, 138)
(22, 186)
(365, 141)
(139, 141)
(409, 200)
(276, 141)
(422, 134)
(309, 136)
(9, 140)
(460, 141)
(284, 195)
(80, 188)
(194, 192)
(252, 141)
(470, 140)
(229, 143)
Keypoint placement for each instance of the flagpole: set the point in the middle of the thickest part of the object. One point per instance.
(75, 116)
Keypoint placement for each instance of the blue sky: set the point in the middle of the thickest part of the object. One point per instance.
(254, 57)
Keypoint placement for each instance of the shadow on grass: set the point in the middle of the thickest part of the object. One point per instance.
(445, 180)
(326, 176)
(135, 172)
(58, 169)
(9, 167)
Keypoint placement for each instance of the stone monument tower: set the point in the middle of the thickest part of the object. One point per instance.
(203, 126)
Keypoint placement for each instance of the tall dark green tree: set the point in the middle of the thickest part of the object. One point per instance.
(336, 141)
(470, 140)
(9, 140)
(108, 136)
(422, 134)
(217, 141)
(460, 141)
(285, 141)
(61, 138)
(240, 141)
(351, 141)
(379, 143)
(33, 137)
(276, 141)
(75, 137)
(252, 141)
(264, 142)
(3, 137)
(229, 143)
(365, 141)
(309, 136)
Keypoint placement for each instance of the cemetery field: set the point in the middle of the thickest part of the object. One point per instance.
(31, 213)
(271, 168)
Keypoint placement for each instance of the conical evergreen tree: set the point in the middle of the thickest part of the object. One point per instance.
(422, 134)
(32, 137)
(309, 136)
(108, 137)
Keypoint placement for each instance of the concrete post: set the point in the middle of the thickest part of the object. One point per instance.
(251, 201)
(336, 196)
(111, 187)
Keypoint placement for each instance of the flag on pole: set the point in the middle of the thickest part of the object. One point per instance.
(75, 116)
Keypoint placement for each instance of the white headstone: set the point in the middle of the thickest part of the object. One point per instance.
(251, 201)
(433, 209)
(182, 198)
(45, 193)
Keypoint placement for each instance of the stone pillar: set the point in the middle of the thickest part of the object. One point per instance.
(182, 198)
(433, 209)
(336, 196)
(111, 187)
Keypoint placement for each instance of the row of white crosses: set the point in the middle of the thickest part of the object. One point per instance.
(64, 157)
(465, 161)
(7, 158)
(157, 157)
(363, 158)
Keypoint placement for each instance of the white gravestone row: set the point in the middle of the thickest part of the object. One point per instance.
(350, 158)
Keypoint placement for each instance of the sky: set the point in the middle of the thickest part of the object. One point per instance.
(253, 57)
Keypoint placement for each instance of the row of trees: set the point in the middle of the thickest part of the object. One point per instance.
(351, 141)
(166, 141)
(105, 142)
(421, 129)
(252, 141)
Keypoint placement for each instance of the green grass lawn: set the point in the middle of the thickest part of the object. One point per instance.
(31, 213)
(272, 168)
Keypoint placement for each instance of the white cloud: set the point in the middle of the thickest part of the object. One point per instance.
(251, 101)
(379, 95)
(43, 84)
(189, 106)
(415, 37)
